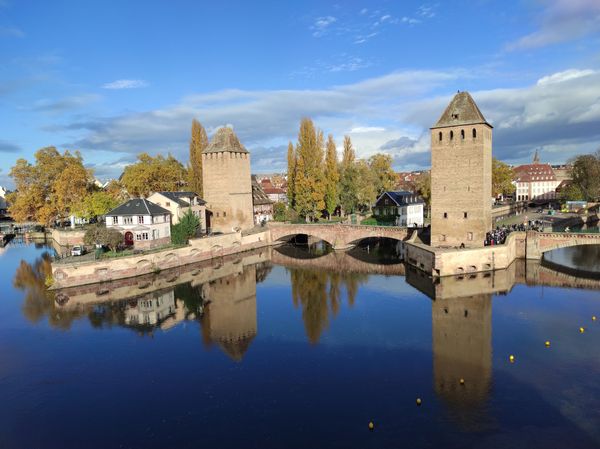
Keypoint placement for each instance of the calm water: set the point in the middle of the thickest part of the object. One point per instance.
(292, 350)
(585, 259)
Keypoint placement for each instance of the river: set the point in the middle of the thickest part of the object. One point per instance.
(299, 349)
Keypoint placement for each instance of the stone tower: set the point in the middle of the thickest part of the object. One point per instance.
(461, 175)
(226, 183)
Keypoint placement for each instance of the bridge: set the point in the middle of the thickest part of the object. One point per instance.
(540, 242)
(339, 236)
(337, 261)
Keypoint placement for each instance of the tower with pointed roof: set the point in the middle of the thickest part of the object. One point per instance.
(227, 183)
(461, 175)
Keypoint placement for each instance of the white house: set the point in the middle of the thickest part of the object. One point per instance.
(3, 203)
(178, 203)
(142, 223)
(402, 208)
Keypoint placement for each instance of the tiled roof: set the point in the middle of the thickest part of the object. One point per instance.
(534, 173)
(138, 206)
(462, 110)
(225, 140)
(177, 197)
(402, 197)
(258, 195)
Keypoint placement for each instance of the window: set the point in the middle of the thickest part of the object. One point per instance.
(443, 238)
(224, 214)
(445, 214)
(168, 203)
(451, 135)
(127, 220)
(440, 136)
(474, 133)
(115, 220)
(464, 215)
(141, 219)
(462, 134)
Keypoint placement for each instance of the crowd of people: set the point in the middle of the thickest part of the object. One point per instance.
(498, 236)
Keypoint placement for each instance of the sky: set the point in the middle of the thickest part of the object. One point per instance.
(113, 79)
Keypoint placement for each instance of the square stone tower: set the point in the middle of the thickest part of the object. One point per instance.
(227, 183)
(461, 175)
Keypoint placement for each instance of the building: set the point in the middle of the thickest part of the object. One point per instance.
(178, 203)
(403, 208)
(226, 183)
(142, 223)
(3, 203)
(461, 175)
(262, 205)
(535, 182)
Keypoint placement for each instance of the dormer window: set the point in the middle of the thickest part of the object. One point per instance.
(455, 116)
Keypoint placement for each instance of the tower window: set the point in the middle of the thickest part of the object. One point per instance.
(451, 135)
(474, 133)
(445, 214)
(224, 214)
(462, 134)
(464, 214)
(440, 136)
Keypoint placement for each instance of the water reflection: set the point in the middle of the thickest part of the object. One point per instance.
(582, 261)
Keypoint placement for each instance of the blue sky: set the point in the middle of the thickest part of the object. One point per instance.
(115, 78)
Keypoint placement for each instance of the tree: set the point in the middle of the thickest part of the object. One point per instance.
(279, 212)
(309, 184)
(572, 192)
(383, 174)
(423, 185)
(198, 143)
(348, 178)
(585, 172)
(502, 178)
(366, 192)
(348, 155)
(51, 188)
(291, 175)
(186, 228)
(154, 174)
(96, 204)
(332, 177)
(101, 235)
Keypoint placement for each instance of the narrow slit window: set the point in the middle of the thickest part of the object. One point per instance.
(462, 134)
(440, 136)
(474, 133)
(451, 135)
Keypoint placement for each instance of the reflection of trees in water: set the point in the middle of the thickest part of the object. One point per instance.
(318, 292)
(585, 257)
(378, 250)
(39, 303)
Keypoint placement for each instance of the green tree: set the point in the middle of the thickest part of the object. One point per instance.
(332, 177)
(383, 174)
(198, 143)
(153, 174)
(186, 228)
(309, 183)
(51, 188)
(572, 192)
(101, 235)
(502, 177)
(279, 212)
(585, 171)
(348, 178)
(96, 204)
(366, 192)
(291, 175)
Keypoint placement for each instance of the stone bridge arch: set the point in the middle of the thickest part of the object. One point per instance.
(339, 236)
(540, 242)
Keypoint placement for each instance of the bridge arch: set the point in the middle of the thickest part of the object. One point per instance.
(290, 237)
(539, 243)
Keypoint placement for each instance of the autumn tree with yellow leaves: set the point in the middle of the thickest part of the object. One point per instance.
(309, 180)
(198, 143)
(154, 174)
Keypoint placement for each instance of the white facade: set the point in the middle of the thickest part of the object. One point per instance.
(143, 227)
(410, 215)
(3, 203)
(180, 205)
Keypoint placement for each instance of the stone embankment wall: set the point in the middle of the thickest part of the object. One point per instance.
(451, 261)
(81, 273)
(70, 237)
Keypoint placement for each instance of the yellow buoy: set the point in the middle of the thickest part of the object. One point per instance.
(511, 358)
(582, 330)
(462, 381)
(371, 425)
(547, 343)
(418, 401)
(593, 317)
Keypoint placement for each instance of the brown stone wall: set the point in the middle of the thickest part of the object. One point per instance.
(228, 190)
(147, 244)
(461, 182)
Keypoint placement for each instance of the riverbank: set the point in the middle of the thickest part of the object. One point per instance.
(94, 271)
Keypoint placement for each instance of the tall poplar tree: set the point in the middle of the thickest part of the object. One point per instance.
(309, 183)
(198, 143)
(348, 156)
(332, 177)
(291, 175)
(348, 178)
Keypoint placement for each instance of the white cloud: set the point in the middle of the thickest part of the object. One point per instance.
(125, 84)
(390, 113)
(65, 104)
(566, 75)
(562, 21)
(321, 25)
(11, 31)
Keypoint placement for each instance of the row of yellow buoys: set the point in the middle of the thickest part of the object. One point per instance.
(511, 359)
